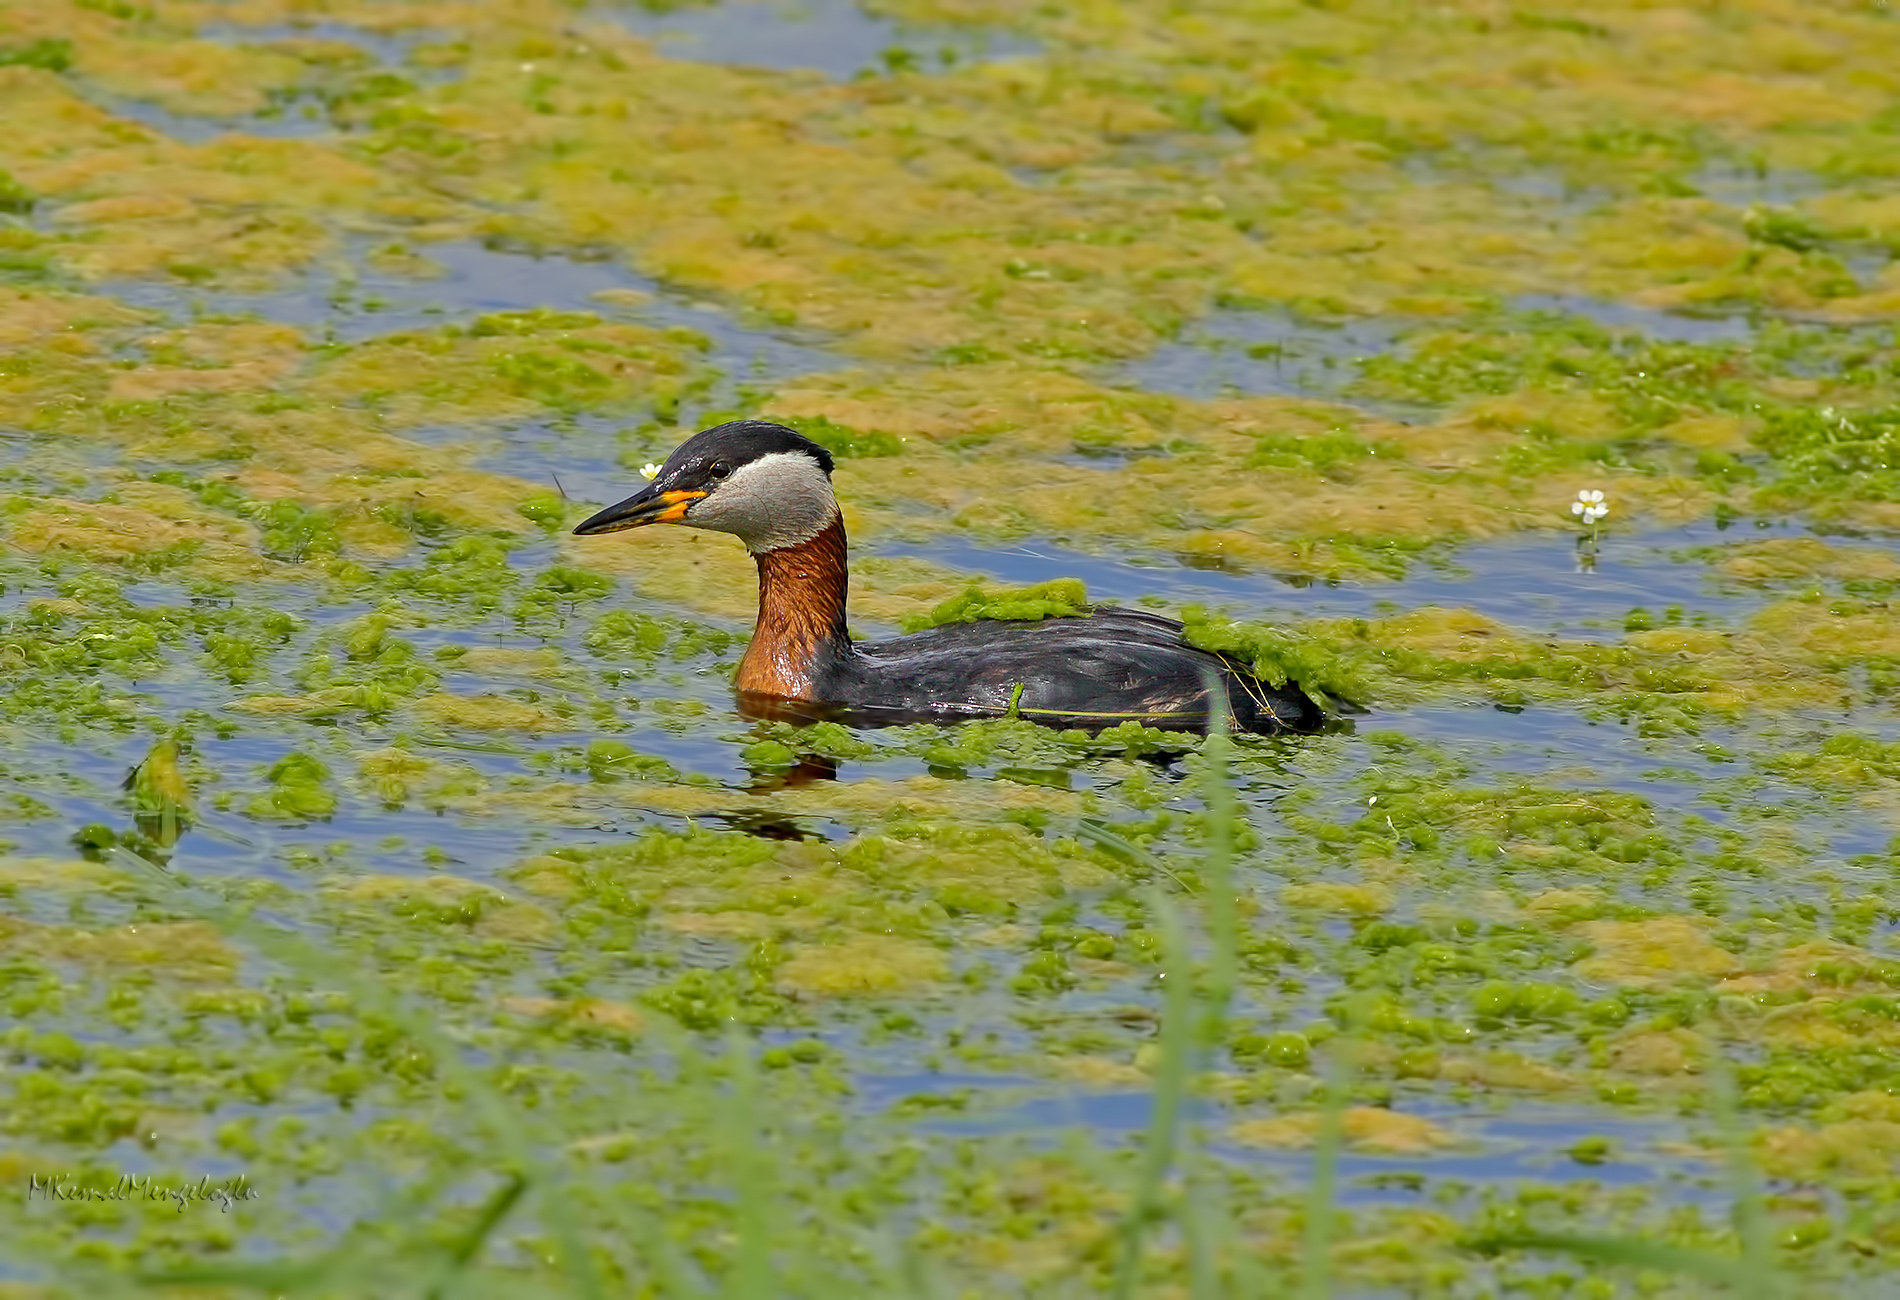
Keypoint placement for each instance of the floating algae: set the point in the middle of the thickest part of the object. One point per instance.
(319, 328)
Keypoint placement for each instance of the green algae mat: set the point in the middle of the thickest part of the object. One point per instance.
(391, 902)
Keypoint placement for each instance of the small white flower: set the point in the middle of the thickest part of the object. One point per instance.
(1589, 506)
(650, 470)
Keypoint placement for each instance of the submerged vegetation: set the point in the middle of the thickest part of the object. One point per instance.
(366, 837)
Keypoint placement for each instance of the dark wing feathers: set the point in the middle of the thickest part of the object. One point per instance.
(1115, 665)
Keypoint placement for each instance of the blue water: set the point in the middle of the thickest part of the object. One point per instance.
(832, 37)
(1536, 581)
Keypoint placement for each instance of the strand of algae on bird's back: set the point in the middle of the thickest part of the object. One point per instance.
(1280, 655)
(1058, 598)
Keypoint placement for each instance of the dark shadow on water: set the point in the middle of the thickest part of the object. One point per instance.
(767, 827)
(808, 768)
(834, 37)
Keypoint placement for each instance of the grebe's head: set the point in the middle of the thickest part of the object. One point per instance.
(767, 485)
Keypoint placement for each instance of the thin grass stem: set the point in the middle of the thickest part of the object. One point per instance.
(1177, 1050)
(1316, 1247)
(752, 1173)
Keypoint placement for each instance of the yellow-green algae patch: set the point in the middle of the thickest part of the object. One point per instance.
(319, 705)
(896, 170)
(403, 891)
(861, 965)
(738, 925)
(986, 869)
(1206, 495)
(704, 572)
(451, 900)
(596, 1014)
(916, 795)
(508, 363)
(489, 713)
(1662, 1053)
(65, 875)
(185, 950)
(505, 661)
(984, 244)
(1809, 557)
(1656, 953)
(111, 531)
(1502, 1070)
(138, 202)
(1858, 1134)
(1363, 1127)
(701, 122)
(1330, 896)
(1101, 1072)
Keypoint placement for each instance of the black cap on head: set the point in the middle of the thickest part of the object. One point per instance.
(738, 442)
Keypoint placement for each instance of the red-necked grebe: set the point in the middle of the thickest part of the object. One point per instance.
(771, 488)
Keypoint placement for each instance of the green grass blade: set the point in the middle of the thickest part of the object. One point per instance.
(1747, 1212)
(1204, 1227)
(1177, 1050)
(752, 1174)
(1640, 1252)
(1091, 829)
(1207, 1229)
(1217, 868)
(289, 1277)
(1316, 1248)
(466, 1248)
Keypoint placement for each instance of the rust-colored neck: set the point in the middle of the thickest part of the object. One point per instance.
(801, 615)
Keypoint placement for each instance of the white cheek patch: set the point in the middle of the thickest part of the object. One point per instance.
(776, 501)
